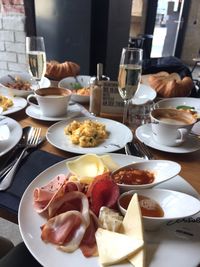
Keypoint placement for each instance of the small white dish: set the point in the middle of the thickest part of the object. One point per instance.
(162, 170)
(119, 135)
(72, 83)
(36, 113)
(144, 134)
(175, 205)
(15, 135)
(143, 95)
(19, 103)
(45, 82)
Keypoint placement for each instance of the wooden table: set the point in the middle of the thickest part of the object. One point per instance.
(190, 162)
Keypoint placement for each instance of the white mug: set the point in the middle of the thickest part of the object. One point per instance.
(171, 127)
(52, 101)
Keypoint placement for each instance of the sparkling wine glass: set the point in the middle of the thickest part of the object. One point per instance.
(129, 77)
(36, 57)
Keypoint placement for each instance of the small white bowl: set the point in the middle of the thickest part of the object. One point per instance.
(176, 205)
(163, 170)
(26, 77)
(71, 83)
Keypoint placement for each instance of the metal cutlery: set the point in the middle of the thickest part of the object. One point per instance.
(32, 141)
(9, 166)
(137, 148)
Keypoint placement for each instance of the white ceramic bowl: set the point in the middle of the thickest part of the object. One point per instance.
(163, 170)
(176, 205)
(71, 83)
(22, 76)
(174, 102)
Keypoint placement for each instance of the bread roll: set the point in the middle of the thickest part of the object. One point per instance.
(57, 71)
(170, 85)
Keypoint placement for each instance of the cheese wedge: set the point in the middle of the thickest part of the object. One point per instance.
(132, 227)
(114, 247)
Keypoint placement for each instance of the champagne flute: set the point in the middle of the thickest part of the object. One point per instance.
(129, 77)
(36, 56)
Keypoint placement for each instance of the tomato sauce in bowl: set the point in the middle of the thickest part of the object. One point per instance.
(133, 177)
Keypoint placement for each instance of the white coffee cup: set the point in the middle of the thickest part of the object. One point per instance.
(171, 127)
(52, 101)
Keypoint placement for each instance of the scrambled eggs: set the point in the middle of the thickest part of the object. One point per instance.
(87, 133)
(5, 102)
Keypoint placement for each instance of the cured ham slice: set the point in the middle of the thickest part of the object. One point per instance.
(74, 200)
(88, 244)
(66, 230)
(43, 195)
(46, 195)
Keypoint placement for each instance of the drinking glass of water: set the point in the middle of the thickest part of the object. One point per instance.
(130, 71)
(36, 56)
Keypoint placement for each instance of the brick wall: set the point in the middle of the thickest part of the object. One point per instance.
(12, 36)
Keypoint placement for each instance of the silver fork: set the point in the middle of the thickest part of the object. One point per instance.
(144, 150)
(32, 141)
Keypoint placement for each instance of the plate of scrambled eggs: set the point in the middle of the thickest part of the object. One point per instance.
(89, 135)
(9, 105)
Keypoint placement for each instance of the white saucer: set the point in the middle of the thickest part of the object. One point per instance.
(144, 134)
(36, 113)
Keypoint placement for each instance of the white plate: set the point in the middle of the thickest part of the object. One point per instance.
(119, 135)
(144, 134)
(19, 103)
(15, 134)
(163, 170)
(144, 94)
(36, 113)
(160, 246)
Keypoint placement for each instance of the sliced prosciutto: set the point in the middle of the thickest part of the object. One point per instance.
(65, 230)
(74, 200)
(88, 244)
(55, 189)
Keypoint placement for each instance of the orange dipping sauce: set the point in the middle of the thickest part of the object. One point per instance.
(149, 207)
(133, 177)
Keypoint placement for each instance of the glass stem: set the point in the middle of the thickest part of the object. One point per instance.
(125, 114)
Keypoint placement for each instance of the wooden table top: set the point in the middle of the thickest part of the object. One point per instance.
(190, 162)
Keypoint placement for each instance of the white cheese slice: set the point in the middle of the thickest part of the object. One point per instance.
(89, 165)
(114, 247)
(109, 163)
(132, 226)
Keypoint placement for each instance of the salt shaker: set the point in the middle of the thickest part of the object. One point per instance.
(96, 92)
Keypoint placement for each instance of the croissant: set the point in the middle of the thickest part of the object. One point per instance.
(57, 71)
(170, 85)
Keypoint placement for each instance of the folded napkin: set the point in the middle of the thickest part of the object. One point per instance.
(31, 166)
